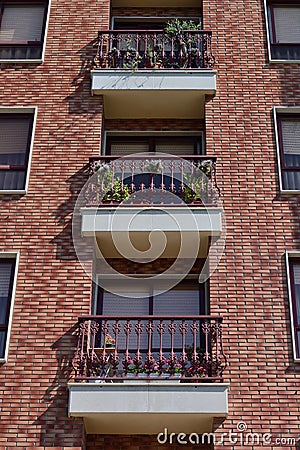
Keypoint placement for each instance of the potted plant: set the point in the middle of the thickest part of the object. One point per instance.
(132, 57)
(198, 184)
(183, 43)
(109, 188)
(110, 342)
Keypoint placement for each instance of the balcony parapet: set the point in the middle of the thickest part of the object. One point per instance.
(153, 49)
(154, 180)
(150, 347)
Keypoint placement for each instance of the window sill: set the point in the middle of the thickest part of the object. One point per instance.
(22, 61)
(16, 192)
(289, 192)
(284, 61)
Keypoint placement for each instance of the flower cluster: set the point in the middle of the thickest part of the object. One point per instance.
(171, 366)
(109, 340)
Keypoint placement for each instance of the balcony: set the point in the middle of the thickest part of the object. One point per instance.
(140, 193)
(138, 375)
(153, 67)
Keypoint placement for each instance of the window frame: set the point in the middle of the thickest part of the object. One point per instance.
(288, 113)
(147, 135)
(200, 287)
(13, 283)
(42, 43)
(291, 259)
(18, 111)
(271, 29)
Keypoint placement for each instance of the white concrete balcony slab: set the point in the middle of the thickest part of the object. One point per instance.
(148, 408)
(151, 93)
(183, 228)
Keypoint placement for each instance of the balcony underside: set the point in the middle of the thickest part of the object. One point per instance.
(182, 230)
(147, 408)
(151, 93)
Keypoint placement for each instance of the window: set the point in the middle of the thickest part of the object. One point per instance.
(294, 272)
(288, 126)
(22, 30)
(142, 299)
(15, 140)
(186, 298)
(173, 145)
(284, 29)
(7, 273)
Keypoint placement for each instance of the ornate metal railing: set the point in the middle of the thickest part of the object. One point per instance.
(156, 179)
(159, 347)
(151, 49)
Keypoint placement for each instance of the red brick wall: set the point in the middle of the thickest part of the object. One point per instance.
(52, 288)
(154, 124)
(135, 442)
(157, 12)
(249, 287)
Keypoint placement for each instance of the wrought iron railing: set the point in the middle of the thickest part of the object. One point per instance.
(152, 347)
(156, 179)
(154, 49)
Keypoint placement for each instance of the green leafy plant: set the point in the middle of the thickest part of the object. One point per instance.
(118, 193)
(132, 57)
(175, 27)
(198, 184)
(153, 166)
(186, 44)
(110, 188)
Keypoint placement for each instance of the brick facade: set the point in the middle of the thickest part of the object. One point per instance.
(249, 287)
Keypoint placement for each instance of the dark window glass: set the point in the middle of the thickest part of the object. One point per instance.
(7, 269)
(295, 287)
(289, 142)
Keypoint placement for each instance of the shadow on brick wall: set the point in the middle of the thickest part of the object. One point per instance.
(81, 101)
(64, 214)
(57, 429)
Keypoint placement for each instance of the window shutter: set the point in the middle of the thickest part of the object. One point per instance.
(113, 305)
(177, 302)
(175, 148)
(287, 24)
(22, 23)
(123, 148)
(117, 306)
(14, 134)
(291, 136)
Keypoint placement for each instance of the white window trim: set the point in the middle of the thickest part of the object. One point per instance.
(16, 256)
(33, 61)
(152, 133)
(25, 110)
(283, 110)
(288, 256)
(285, 61)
